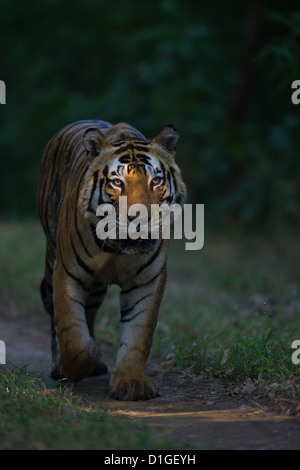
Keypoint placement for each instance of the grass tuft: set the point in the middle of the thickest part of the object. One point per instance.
(34, 415)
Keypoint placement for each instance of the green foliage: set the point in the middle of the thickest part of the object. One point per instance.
(234, 311)
(262, 354)
(151, 64)
(230, 313)
(34, 415)
(22, 248)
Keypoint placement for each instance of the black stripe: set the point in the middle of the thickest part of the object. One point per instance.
(66, 143)
(163, 169)
(144, 158)
(100, 243)
(101, 183)
(79, 169)
(82, 163)
(132, 318)
(79, 281)
(178, 199)
(139, 148)
(132, 146)
(81, 263)
(121, 150)
(46, 167)
(105, 170)
(126, 311)
(167, 199)
(95, 180)
(77, 302)
(125, 159)
(48, 228)
(76, 221)
(174, 179)
(97, 240)
(146, 284)
(164, 193)
(57, 147)
(169, 180)
(59, 135)
(150, 261)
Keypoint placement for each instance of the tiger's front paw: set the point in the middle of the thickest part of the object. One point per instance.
(126, 388)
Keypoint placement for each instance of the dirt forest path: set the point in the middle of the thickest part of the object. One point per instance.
(195, 412)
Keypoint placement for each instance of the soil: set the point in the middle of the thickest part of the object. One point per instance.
(196, 411)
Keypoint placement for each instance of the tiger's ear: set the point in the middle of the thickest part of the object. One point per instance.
(168, 138)
(94, 141)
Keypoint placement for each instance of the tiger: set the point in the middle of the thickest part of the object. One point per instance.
(86, 164)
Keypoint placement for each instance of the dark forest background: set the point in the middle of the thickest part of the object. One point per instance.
(220, 72)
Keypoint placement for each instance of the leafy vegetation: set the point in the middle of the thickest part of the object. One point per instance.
(221, 74)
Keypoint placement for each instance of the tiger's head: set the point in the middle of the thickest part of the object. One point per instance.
(142, 170)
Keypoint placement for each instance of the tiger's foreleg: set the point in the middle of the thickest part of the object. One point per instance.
(79, 354)
(139, 311)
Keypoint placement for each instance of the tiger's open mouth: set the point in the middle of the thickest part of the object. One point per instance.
(137, 247)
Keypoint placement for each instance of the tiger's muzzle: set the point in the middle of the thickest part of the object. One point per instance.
(137, 247)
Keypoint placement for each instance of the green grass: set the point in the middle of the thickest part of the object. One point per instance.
(35, 416)
(22, 254)
(230, 312)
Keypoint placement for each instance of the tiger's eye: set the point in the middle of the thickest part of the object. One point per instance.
(156, 180)
(117, 182)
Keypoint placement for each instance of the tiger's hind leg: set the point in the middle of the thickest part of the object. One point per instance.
(93, 304)
(95, 300)
(47, 298)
